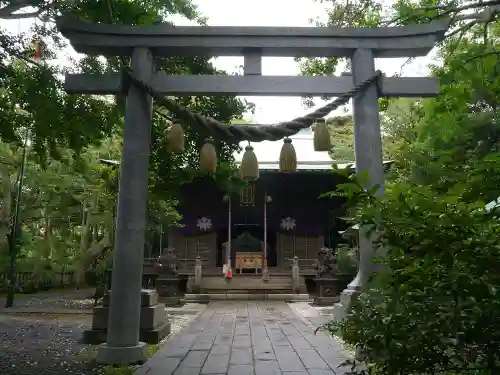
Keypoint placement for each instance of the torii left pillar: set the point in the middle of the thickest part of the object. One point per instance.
(123, 345)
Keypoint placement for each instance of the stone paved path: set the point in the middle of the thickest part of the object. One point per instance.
(248, 338)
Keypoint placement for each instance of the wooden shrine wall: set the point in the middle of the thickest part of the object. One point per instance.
(288, 246)
(188, 247)
(302, 247)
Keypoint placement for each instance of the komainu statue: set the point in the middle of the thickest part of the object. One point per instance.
(166, 264)
(326, 264)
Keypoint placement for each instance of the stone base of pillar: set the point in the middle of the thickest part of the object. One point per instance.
(128, 355)
(154, 323)
(347, 298)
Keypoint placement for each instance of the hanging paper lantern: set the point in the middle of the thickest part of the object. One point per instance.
(249, 168)
(175, 138)
(288, 157)
(208, 156)
(322, 141)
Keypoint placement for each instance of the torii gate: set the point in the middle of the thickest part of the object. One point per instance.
(143, 43)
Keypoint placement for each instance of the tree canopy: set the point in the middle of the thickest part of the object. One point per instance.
(69, 195)
(433, 308)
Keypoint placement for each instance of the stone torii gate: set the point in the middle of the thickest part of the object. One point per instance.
(145, 43)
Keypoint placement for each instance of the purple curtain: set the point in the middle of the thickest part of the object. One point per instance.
(201, 207)
(193, 224)
(297, 211)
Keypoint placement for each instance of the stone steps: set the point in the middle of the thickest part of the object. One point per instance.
(247, 287)
(207, 297)
(244, 283)
(247, 291)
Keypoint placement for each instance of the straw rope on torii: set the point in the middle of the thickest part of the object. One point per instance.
(251, 133)
(242, 132)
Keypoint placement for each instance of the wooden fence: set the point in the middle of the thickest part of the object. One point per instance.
(45, 280)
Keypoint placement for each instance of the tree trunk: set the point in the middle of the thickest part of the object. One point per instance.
(86, 258)
(80, 271)
(44, 256)
(5, 206)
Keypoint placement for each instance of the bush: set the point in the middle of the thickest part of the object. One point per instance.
(346, 260)
(436, 311)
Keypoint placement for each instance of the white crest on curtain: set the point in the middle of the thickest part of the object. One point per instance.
(288, 223)
(204, 224)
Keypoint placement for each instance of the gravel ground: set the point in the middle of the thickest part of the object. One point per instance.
(48, 343)
(48, 301)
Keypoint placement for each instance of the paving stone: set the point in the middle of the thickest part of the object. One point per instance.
(185, 371)
(223, 339)
(202, 345)
(281, 342)
(299, 343)
(288, 360)
(216, 364)
(174, 351)
(159, 366)
(195, 358)
(240, 370)
(267, 368)
(312, 360)
(241, 357)
(326, 372)
(264, 354)
(220, 349)
(242, 344)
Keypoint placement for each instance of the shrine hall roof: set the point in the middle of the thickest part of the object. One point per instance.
(268, 153)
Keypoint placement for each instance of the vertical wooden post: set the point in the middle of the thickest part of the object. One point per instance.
(123, 346)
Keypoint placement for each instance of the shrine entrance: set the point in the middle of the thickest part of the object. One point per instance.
(142, 83)
(246, 238)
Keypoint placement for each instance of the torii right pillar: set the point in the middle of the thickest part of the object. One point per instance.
(368, 156)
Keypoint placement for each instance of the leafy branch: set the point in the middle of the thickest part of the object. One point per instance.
(10, 10)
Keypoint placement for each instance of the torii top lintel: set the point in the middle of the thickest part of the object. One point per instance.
(168, 40)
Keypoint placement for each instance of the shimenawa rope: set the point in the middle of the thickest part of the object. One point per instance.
(252, 133)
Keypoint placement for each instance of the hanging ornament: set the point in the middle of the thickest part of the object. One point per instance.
(208, 156)
(175, 138)
(322, 141)
(288, 157)
(249, 168)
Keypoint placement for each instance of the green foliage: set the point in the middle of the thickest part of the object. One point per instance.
(341, 129)
(346, 260)
(69, 196)
(432, 306)
(434, 310)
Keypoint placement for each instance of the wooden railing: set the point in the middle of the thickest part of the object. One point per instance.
(305, 264)
(190, 266)
(184, 265)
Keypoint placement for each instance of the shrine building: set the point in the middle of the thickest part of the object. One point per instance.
(269, 221)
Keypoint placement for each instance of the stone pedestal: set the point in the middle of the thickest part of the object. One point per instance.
(265, 274)
(168, 288)
(328, 289)
(347, 297)
(154, 323)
